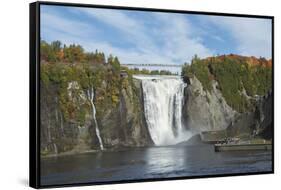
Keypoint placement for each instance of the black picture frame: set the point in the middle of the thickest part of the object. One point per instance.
(34, 90)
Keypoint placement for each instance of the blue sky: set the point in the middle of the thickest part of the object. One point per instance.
(153, 37)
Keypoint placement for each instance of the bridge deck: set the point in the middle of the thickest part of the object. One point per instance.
(152, 65)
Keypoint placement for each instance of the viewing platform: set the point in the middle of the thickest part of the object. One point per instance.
(242, 146)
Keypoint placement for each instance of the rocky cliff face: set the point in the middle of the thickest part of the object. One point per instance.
(208, 111)
(68, 120)
(120, 125)
(266, 117)
(125, 125)
(259, 122)
(204, 110)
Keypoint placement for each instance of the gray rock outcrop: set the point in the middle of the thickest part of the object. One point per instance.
(204, 110)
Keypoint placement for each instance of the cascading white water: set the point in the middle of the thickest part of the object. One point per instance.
(163, 101)
(55, 148)
(91, 95)
(97, 127)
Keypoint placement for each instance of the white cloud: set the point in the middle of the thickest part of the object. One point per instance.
(64, 26)
(173, 31)
(181, 40)
(253, 35)
(170, 41)
(132, 29)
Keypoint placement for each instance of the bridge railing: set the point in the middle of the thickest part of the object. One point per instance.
(152, 65)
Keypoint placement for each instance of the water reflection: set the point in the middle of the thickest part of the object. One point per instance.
(165, 159)
(148, 163)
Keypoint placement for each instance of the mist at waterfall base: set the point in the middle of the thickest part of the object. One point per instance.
(170, 157)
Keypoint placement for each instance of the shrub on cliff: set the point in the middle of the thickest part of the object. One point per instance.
(87, 70)
(237, 79)
(199, 69)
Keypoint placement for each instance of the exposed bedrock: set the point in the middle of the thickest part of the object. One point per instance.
(206, 111)
(121, 125)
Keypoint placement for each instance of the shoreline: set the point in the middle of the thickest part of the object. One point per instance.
(68, 153)
(75, 152)
(124, 148)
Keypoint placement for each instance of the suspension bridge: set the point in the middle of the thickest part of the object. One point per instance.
(150, 65)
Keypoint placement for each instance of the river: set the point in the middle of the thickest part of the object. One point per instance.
(148, 163)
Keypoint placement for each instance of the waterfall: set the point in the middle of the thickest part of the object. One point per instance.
(97, 127)
(90, 94)
(163, 101)
(55, 148)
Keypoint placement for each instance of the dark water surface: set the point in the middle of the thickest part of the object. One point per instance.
(147, 163)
